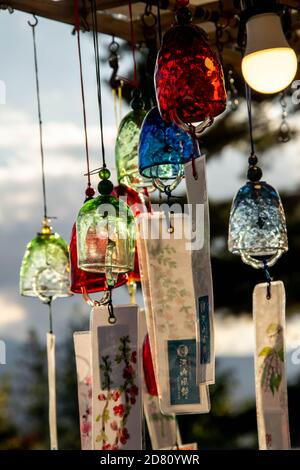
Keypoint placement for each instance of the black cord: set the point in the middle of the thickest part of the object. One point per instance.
(159, 23)
(39, 113)
(98, 76)
(249, 109)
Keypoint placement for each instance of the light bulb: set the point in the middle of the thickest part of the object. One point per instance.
(269, 64)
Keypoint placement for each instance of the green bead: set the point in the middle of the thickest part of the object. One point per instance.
(104, 174)
(105, 187)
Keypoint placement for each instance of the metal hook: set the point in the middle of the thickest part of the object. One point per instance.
(33, 25)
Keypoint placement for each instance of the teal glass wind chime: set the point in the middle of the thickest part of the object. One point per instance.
(45, 269)
(105, 226)
(257, 226)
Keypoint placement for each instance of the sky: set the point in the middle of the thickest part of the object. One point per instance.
(20, 177)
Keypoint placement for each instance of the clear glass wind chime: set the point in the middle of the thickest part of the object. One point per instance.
(257, 226)
(45, 269)
(84, 282)
(105, 226)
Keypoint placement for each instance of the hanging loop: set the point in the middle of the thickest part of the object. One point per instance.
(33, 25)
(268, 278)
(111, 316)
(95, 303)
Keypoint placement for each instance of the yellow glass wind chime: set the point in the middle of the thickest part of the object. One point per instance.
(45, 269)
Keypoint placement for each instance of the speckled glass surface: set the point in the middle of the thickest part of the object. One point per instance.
(106, 237)
(126, 151)
(188, 76)
(45, 270)
(257, 224)
(163, 147)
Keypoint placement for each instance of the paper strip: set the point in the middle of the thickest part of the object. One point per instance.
(82, 344)
(202, 276)
(52, 390)
(163, 429)
(167, 283)
(117, 403)
(270, 377)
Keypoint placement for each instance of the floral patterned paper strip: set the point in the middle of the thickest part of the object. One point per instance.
(82, 344)
(192, 446)
(117, 403)
(163, 429)
(202, 276)
(270, 377)
(166, 260)
(52, 390)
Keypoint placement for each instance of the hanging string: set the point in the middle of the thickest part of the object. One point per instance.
(254, 173)
(98, 76)
(159, 30)
(77, 29)
(132, 38)
(33, 26)
(50, 316)
(249, 109)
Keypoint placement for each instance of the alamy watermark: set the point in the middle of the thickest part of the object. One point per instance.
(180, 222)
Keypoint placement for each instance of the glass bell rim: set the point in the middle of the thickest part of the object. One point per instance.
(77, 288)
(157, 165)
(116, 269)
(32, 293)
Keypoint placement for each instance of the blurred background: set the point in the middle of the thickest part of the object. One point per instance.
(24, 321)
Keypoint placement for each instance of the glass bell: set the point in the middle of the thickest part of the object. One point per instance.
(257, 227)
(105, 229)
(126, 149)
(134, 201)
(84, 282)
(149, 374)
(163, 148)
(188, 75)
(45, 269)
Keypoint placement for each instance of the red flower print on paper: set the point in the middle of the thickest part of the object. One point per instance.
(124, 436)
(119, 410)
(106, 447)
(133, 390)
(118, 402)
(128, 372)
(86, 428)
(114, 425)
(133, 357)
(116, 395)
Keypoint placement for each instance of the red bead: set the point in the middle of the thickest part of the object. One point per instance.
(84, 280)
(148, 368)
(188, 76)
(182, 3)
(89, 192)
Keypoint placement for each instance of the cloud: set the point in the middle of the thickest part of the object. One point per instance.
(10, 312)
(65, 164)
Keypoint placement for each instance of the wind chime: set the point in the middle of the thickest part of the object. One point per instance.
(179, 320)
(107, 356)
(85, 282)
(45, 270)
(190, 89)
(257, 232)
